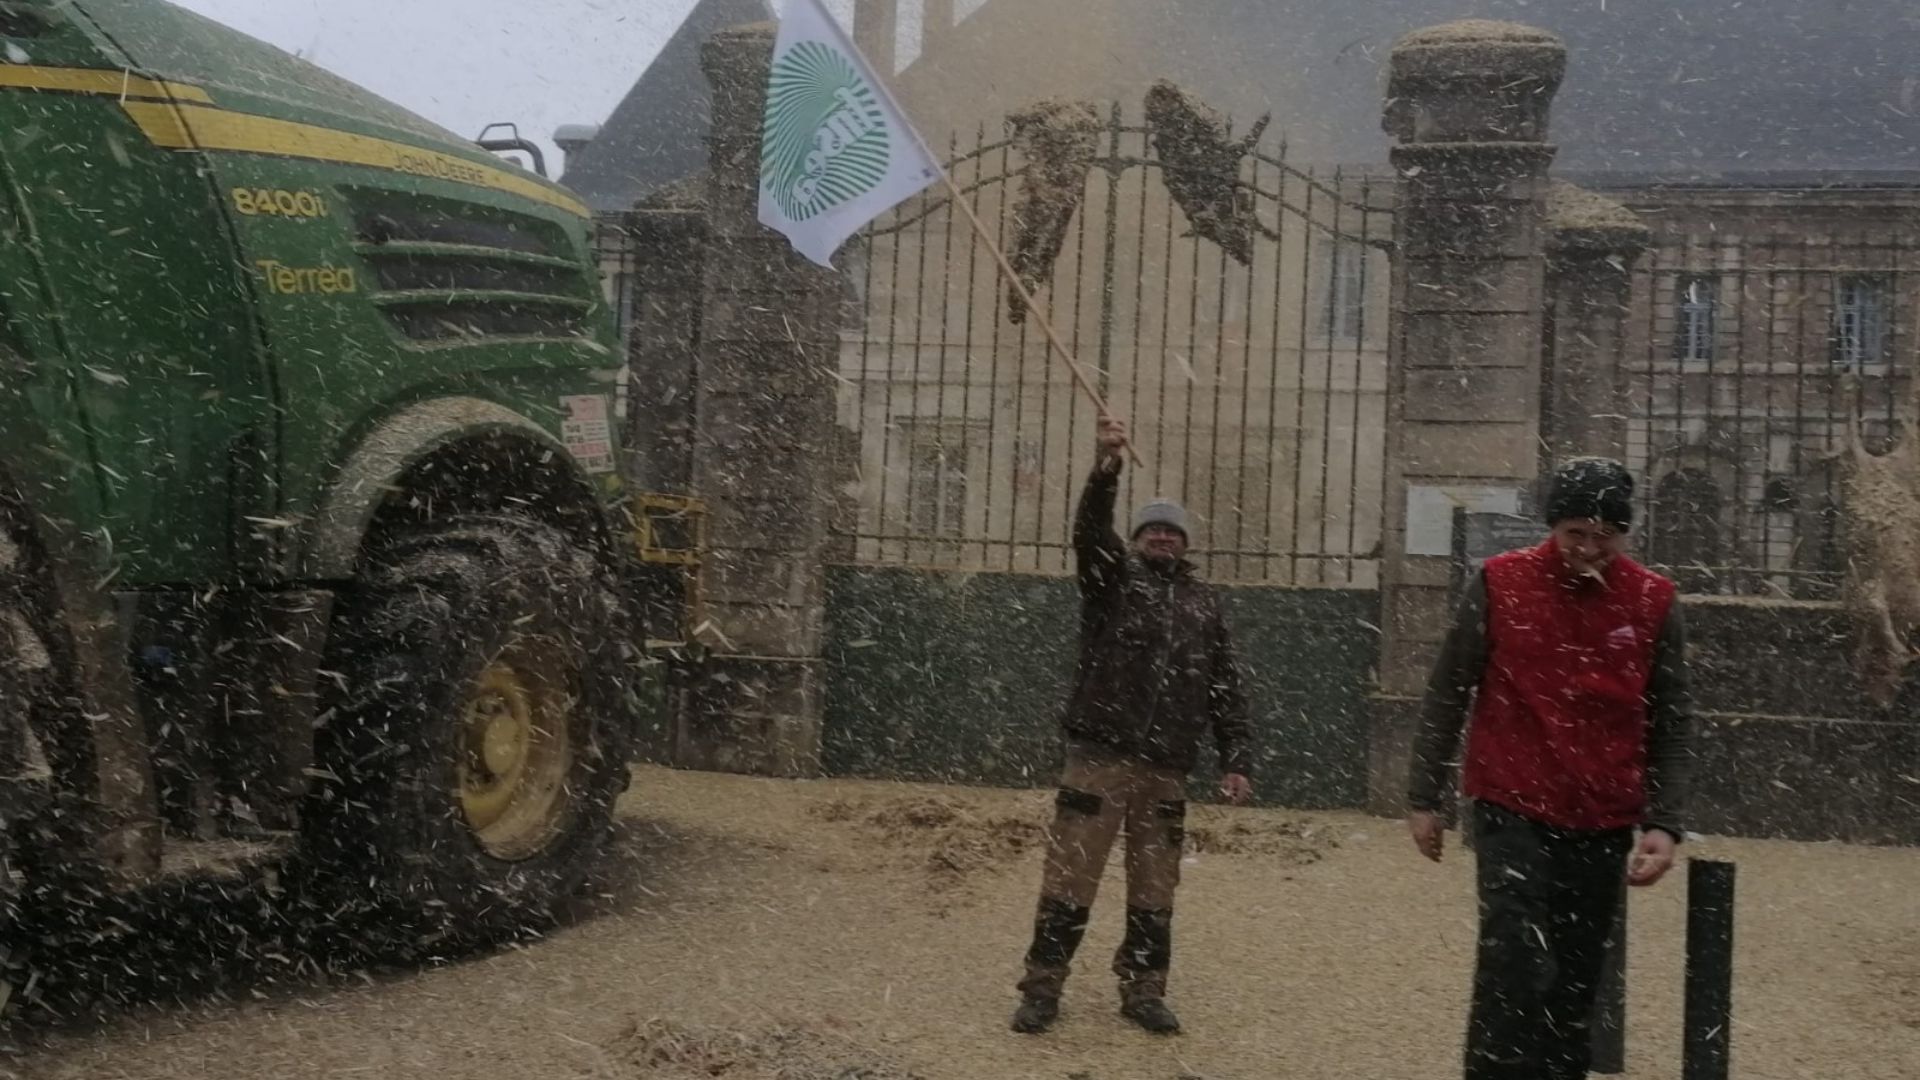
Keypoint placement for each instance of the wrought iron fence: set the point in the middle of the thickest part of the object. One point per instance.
(1255, 389)
(1755, 355)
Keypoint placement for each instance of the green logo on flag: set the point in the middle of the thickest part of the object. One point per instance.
(825, 139)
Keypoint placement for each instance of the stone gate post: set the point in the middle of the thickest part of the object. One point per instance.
(1468, 103)
(762, 449)
(666, 261)
(1592, 244)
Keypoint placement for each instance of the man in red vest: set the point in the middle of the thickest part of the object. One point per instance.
(1572, 657)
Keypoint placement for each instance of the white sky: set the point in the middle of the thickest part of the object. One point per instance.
(467, 63)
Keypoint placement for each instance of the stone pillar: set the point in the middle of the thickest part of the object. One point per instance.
(668, 266)
(664, 246)
(761, 449)
(1468, 103)
(1592, 244)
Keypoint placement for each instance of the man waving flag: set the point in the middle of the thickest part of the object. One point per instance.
(836, 149)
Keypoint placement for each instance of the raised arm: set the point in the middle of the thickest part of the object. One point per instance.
(1098, 550)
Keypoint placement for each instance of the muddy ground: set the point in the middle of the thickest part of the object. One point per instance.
(753, 930)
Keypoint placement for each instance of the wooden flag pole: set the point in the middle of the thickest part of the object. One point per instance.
(1033, 306)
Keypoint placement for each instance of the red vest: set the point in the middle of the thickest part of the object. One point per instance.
(1559, 729)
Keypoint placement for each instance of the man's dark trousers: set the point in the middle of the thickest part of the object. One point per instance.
(1547, 900)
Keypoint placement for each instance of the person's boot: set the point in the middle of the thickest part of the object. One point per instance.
(1036, 1013)
(1145, 953)
(1150, 1012)
(1057, 930)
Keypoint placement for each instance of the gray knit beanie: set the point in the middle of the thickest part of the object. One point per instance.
(1161, 512)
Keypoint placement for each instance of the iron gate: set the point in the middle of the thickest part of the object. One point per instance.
(1256, 391)
(1755, 355)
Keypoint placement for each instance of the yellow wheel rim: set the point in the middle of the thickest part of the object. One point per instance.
(517, 735)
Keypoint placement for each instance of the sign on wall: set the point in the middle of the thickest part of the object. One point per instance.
(1431, 507)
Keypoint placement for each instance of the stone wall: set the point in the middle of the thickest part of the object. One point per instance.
(1788, 744)
(957, 677)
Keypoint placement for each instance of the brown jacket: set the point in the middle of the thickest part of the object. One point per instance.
(1157, 668)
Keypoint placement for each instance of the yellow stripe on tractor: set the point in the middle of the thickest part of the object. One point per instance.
(97, 81)
(191, 127)
(179, 116)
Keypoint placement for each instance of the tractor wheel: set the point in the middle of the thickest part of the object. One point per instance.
(476, 730)
(37, 681)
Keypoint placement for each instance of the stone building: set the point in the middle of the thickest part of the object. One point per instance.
(1771, 146)
(1771, 312)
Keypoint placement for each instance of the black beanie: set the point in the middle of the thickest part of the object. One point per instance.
(1591, 487)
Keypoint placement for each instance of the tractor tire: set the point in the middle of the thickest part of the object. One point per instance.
(475, 729)
(37, 680)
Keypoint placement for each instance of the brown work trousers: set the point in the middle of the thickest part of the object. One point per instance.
(1101, 795)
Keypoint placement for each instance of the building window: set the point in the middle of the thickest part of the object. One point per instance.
(1344, 316)
(1862, 315)
(1695, 311)
(937, 479)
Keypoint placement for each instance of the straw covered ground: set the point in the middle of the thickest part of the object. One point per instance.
(755, 929)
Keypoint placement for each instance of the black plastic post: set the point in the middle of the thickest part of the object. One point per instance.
(1709, 1004)
(1608, 1029)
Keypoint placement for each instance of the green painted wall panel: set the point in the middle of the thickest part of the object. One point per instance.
(960, 677)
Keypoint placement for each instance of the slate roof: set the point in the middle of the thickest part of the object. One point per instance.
(1740, 92)
(658, 133)
(1700, 90)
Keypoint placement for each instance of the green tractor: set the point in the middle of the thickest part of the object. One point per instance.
(311, 533)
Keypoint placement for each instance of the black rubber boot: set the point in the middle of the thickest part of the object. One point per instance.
(1145, 953)
(1150, 1013)
(1035, 1014)
(1057, 930)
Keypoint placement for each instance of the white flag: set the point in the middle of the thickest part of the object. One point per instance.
(836, 149)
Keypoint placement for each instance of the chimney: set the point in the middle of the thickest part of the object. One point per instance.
(573, 138)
